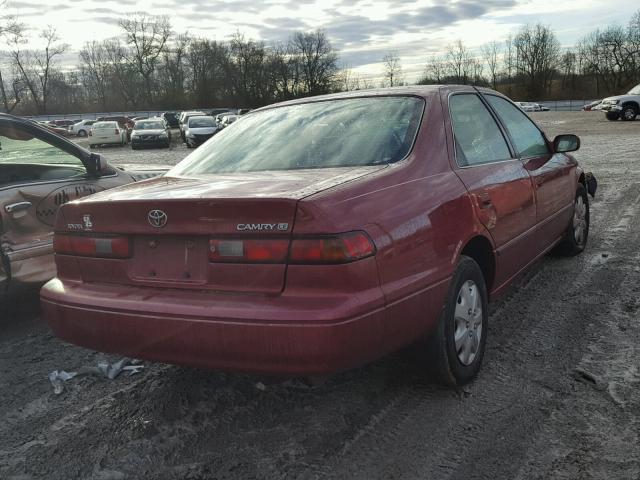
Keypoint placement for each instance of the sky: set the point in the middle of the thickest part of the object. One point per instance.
(362, 30)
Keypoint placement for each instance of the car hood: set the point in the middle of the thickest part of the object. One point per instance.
(147, 132)
(621, 98)
(202, 130)
(290, 184)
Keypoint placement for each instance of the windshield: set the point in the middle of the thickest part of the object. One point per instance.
(635, 90)
(149, 126)
(201, 122)
(338, 133)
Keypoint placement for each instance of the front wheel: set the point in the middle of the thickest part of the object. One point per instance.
(457, 345)
(577, 232)
(629, 113)
(82, 133)
(611, 116)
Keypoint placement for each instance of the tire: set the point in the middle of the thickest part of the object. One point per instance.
(576, 235)
(457, 365)
(92, 145)
(82, 133)
(611, 116)
(629, 113)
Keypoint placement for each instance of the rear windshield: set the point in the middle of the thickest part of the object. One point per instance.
(332, 133)
(200, 122)
(105, 124)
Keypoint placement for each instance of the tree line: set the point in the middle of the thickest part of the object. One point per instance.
(531, 65)
(149, 66)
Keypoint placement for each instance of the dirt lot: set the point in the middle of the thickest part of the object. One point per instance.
(557, 397)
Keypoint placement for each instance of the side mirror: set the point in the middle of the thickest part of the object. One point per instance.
(94, 165)
(566, 143)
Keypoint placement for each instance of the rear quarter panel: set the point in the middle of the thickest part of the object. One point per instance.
(419, 216)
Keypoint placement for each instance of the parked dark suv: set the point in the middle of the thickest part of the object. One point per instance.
(172, 119)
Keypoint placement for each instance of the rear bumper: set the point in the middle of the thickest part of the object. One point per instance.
(224, 332)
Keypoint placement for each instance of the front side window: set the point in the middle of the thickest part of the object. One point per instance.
(478, 137)
(526, 137)
(325, 134)
(25, 158)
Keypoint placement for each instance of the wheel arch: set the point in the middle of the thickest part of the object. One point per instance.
(480, 249)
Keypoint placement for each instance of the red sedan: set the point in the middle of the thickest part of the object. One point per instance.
(320, 234)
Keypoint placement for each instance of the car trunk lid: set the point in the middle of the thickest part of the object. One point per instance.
(170, 222)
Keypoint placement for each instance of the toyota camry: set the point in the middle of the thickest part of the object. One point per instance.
(319, 234)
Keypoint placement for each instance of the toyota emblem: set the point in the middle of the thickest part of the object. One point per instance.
(157, 218)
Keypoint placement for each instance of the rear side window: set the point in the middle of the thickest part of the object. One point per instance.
(478, 137)
(526, 137)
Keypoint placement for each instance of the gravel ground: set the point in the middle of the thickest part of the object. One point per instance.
(557, 397)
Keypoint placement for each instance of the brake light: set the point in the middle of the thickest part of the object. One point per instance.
(117, 132)
(343, 248)
(89, 246)
(325, 249)
(248, 251)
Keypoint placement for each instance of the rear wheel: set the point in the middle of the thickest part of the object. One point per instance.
(456, 346)
(612, 116)
(82, 133)
(92, 145)
(629, 113)
(577, 233)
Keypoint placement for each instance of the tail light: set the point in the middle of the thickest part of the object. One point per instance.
(326, 249)
(343, 248)
(90, 134)
(117, 132)
(90, 246)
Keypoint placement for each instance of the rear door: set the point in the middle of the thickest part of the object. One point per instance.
(499, 185)
(553, 175)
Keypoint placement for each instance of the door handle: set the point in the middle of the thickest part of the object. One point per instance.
(17, 207)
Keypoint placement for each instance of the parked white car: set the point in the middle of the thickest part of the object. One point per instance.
(110, 132)
(526, 106)
(82, 128)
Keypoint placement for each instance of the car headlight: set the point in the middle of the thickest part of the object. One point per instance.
(614, 102)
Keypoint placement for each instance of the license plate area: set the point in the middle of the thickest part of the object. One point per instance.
(170, 259)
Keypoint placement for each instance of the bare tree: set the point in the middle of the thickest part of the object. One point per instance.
(317, 59)
(490, 54)
(147, 37)
(35, 67)
(538, 53)
(459, 62)
(12, 87)
(392, 69)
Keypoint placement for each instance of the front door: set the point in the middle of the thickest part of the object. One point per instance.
(36, 177)
(499, 185)
(553, 175)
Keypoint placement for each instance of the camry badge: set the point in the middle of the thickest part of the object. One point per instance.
(157, 218)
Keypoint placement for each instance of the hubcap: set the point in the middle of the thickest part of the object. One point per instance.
(468, 322)
(629, 114)
(579, 220)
